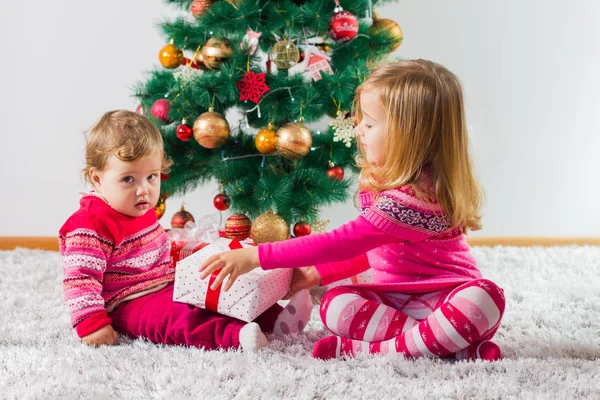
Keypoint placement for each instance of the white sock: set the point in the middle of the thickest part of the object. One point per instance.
(251, 337)
(295, 315)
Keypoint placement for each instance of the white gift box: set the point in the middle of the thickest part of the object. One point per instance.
(251, 294)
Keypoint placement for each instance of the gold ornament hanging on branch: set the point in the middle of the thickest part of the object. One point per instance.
(211, 129)
(285, 54)
(215, 52)
(269, 227)
(391, 27)
(293, 140)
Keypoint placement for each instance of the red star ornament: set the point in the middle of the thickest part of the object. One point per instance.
(252, 86)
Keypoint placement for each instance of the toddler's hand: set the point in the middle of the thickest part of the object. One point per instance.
(232, 263)
(303, 278)
(103, 336)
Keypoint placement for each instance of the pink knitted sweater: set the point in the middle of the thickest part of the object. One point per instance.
(407, 241)
(107, 257)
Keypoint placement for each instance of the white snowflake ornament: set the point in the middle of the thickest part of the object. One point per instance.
(186, 74)
(343, 128)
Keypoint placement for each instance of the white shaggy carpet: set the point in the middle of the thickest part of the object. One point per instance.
(550, 337)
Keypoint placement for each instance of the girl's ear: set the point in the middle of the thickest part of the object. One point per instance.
(95, 178)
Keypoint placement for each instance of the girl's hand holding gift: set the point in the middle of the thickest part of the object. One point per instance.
(231, 263)
(303, 278)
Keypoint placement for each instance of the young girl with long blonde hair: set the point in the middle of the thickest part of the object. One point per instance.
(419, 198)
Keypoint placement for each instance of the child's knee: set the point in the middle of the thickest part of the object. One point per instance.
(495, 293)
(331, 294)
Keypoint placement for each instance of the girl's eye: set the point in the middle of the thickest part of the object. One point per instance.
(368, 126)
(151, 177)
(128, 179)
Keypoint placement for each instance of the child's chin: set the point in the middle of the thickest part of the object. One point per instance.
(133, 212)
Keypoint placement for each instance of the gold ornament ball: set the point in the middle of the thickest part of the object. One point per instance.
(160, 207)
(393, 29)
(269, 227)
(170, 56)
(293, 140)
(238, 227)
(215, 52)
(285, 54)
(266, 140)
(211, 129)
(199, 61)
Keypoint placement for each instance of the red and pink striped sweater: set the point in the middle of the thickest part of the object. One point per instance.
(108, 257)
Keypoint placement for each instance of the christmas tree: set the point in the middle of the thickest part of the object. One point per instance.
(275, 69)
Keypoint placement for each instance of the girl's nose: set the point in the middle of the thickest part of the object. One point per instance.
(142, 191)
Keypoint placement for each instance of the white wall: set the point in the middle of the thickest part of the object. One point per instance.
(530, 72)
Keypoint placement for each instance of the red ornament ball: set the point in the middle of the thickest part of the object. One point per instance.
(238, 227)
(199, 6)
(180, 218)
(222, 202)
(184, 132)
(140, 110)
(336, 173)
(343, 26)
(160, 109)
(301, 229)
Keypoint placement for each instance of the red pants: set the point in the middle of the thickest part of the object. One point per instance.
(159, 319)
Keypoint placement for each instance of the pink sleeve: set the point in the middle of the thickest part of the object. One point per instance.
(84, 258)
(344, 243)
(336, 271)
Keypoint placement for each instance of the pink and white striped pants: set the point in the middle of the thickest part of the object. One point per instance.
(433, 324)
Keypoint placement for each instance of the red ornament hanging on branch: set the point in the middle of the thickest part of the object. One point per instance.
(184, 132)
(252, 86)
(336, 173)
(180, 218)
(238, 227)
(221, 202)
(301, 229)
(199, 6)
(343, 25)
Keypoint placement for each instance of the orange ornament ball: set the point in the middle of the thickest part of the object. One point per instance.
(266, 140)
(170, 56)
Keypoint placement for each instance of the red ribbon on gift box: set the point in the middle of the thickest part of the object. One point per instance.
(212, 296)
